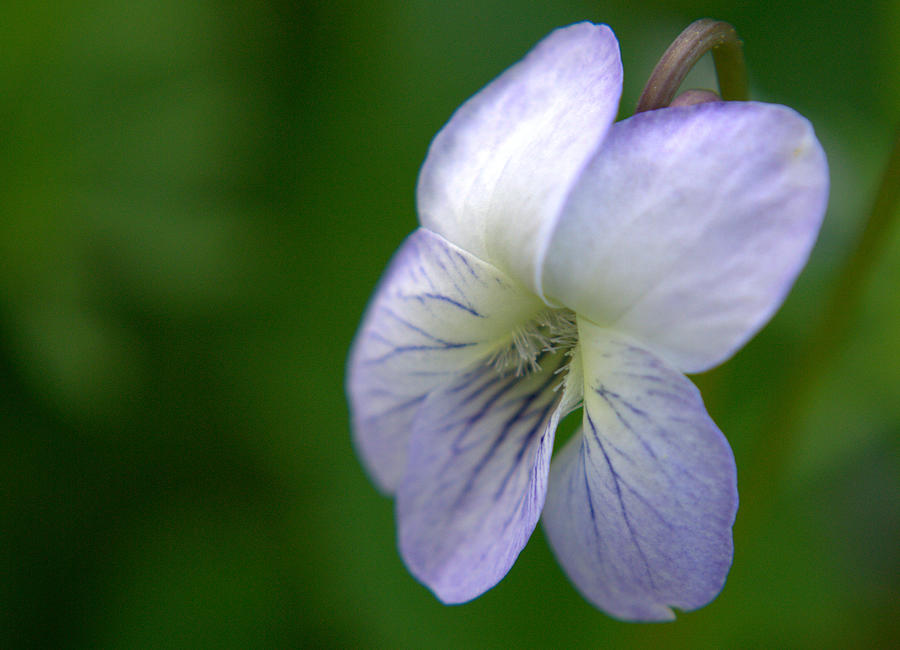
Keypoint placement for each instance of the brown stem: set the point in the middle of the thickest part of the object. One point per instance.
(697, 39)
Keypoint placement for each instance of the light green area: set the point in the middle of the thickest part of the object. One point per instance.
(197, 200)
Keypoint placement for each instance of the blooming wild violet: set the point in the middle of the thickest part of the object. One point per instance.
(567, 261)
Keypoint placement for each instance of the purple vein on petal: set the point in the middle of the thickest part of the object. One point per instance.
(476, 476)
(437, 311)
(654, 476)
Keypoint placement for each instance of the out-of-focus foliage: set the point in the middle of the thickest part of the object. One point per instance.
(197, 200)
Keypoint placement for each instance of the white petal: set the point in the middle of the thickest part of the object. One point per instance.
(640, 507)
(498, 172)
(689, 227)
(477, 476)
(436, 310)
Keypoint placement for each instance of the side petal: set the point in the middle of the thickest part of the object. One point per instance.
(477, 476)
(689, 227)
(436, 310)
(640, 507)
(496, 175)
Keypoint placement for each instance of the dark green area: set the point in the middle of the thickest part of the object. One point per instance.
(197, 200)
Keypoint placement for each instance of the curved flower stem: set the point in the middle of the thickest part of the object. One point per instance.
(771, 452)
(697, 39)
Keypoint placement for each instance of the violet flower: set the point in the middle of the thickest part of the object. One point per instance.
(564, 261)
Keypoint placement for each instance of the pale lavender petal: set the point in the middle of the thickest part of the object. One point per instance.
(690, 225)
(436, 310)
(477, 476)
(498, 172)
(640, 507)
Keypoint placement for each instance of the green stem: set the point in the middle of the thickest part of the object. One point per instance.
(697, 39)
(773, 448)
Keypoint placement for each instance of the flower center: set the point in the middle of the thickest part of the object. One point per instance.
(552, 330)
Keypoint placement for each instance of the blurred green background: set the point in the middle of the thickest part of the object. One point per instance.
(197, 200)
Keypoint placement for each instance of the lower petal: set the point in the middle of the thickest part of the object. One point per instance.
(477, 476)
(640, 507)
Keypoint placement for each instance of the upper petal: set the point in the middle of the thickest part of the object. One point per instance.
(496, 175)
(640, 507)
(690, 225)
(477, 476)
(436, 310)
